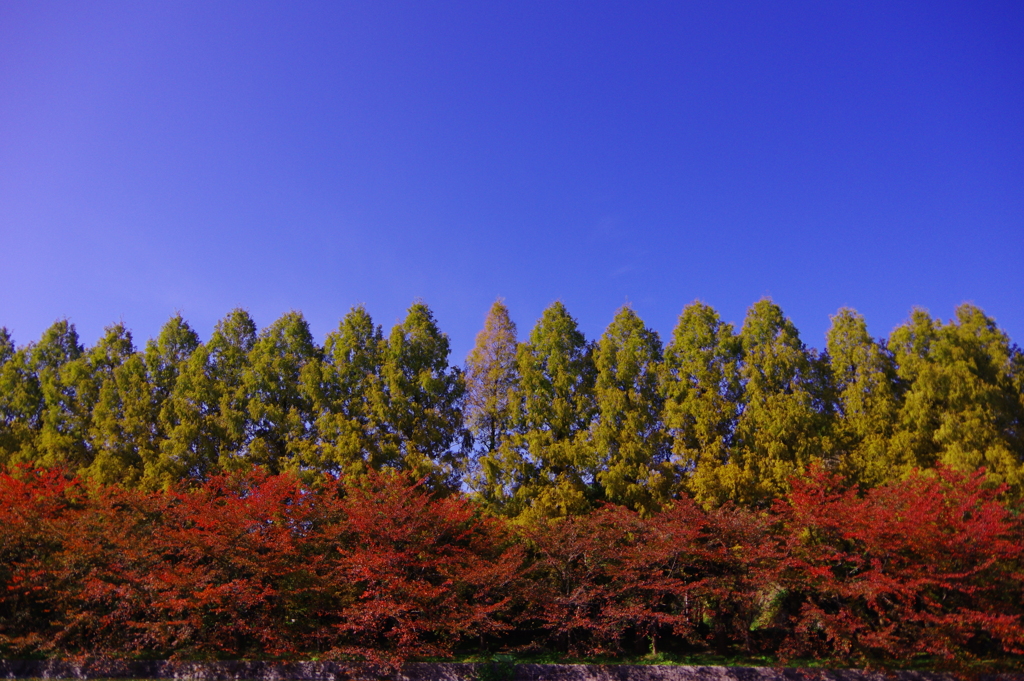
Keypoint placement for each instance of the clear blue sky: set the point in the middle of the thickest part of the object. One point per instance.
(197, 156)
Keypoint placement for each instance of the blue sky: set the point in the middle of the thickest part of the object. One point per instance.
(195, 156)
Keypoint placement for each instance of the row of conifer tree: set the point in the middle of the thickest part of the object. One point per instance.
(549, 426)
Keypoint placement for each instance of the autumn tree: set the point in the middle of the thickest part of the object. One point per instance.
(963, 407)
(424, 399)
(628, 435)
(352, 416)
(868, 394)
(783, 424)
(281, 383)
(491, 377)
(927, 565)
(701, 387)
(549, 466)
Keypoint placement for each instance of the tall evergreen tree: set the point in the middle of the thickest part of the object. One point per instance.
(868, 394)
(8, 414)
(205, 418)
(962, 406)
(1017, 380)
(911, 346)
(549, 467)
(424, 403)
(352, 414)
(282, 385)
(6, 345)
(491, 380)
(559, 424)
(701, 385)
(20, 403)
(63, 430)
(122, 429)
(227, 362)
(164, 355)
(628, 435)
(783, 425)
(165, 358)
(192, 444)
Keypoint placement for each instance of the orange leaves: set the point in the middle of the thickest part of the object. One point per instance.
(929, 565)
(420, 573)
(605, 581)
(378, 569)
(255, 565)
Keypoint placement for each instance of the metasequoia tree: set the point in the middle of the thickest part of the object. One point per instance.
(548, 466)
(424, 398)
(492, 382)
(701, 387)
(8, 413)
(21, 403)
(628, 435)
(963, 406)
(167, 352)
(782, 427)
(351, 420)
(554, 425)
(491, 378)
(867, 395)
(165, 357)
(282, 384)
(122, 438)
(206, 414)
(56, 365)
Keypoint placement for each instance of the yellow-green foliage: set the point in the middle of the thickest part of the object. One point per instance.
(545, 428)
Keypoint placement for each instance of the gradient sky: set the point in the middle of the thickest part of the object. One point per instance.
(198, 156)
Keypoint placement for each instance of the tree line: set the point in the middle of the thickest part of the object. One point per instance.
(550, 426)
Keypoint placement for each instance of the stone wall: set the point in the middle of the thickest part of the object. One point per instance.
(423, 671)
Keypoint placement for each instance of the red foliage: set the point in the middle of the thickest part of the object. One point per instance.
(231, 569)
(242, 567)
(34, 505)
(418, 574)
(612, 579)
(191, 574)
(929, 565)
(377, 569)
